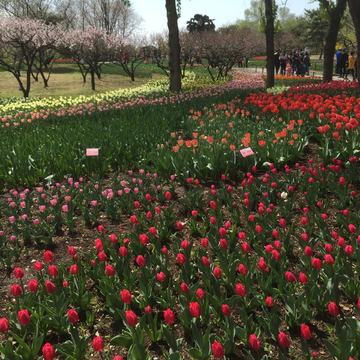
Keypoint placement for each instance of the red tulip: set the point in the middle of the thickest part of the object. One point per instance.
(205, 261)
(16, 290)
(38, 266)
(290, 276)
(24, 317)
(98, 344)
(123, 251)
(217, 350)
(73, 316)
(50, 287)
(222, 232)
(245, 246)
(240, 290)
(19, 273)
(48, 352)
(102, 256)
(169, 316)
(223, 244)
(126, 296)
(181, 259)
(140, 261)
(283, 340)
(333, 309)
(242, 269)
(254, 342)
(316, 263)
(131, 318)
(48, 256)
(113, 239)
(110, 271)
(161, 277)
(184, 288)
(33, 286)
(303, 278)
(217, 272)
(4, 325)
(269, 301)
(144, 239)
(204, 242)
(195, 310)
(226, 310)
(305, 332)
(200, 293)
(179, 226)
(74, 269)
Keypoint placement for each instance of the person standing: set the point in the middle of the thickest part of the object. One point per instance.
(351, 65)
(306, 61)
(343, 63)
(283, 59)
(338, 59)
(277, 61)
(293, 61)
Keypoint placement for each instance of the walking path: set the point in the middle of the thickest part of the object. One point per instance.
(259, 70)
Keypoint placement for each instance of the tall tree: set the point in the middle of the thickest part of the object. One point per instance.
(174, 46)
(51, 11)
(113, 16)
(335, 11)
(90, 49)
(315, 29)
(354, 6)
(269, 16)
(21, 41)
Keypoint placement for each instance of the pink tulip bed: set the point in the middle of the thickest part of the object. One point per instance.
(243, 258)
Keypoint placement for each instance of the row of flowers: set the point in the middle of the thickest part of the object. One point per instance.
(241, 264)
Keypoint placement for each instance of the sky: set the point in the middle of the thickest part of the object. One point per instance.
(223, 11)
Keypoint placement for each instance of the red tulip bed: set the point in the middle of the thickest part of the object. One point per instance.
(261, 262)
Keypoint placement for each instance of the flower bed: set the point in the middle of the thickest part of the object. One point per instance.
(259, 264)
(244, 269)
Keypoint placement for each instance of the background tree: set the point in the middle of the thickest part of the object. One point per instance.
(335, 12)
(270, 63)
(354, 6)
(90, 49)
(222, 50)
(174, 46)
(128, 55)
(113, 16)
(21, 41)
(287, 41)
(160, 45)
(347, 36)
(50, 11)
(315, 29)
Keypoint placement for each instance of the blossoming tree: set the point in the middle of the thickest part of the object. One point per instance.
(90, 49)
(222, 50)
(21, 41)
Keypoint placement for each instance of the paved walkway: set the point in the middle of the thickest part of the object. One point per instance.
(260, 70)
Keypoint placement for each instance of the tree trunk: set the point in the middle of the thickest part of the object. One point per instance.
(174, 46)
(26, 90)
(321, 54)
(270, 48)
(92, 79)
(330, 42)
(354, 6)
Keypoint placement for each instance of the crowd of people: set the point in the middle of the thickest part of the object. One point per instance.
(297, 62)
(346, 64)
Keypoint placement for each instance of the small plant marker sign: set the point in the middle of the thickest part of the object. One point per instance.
(246, 152)
(92, 152)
